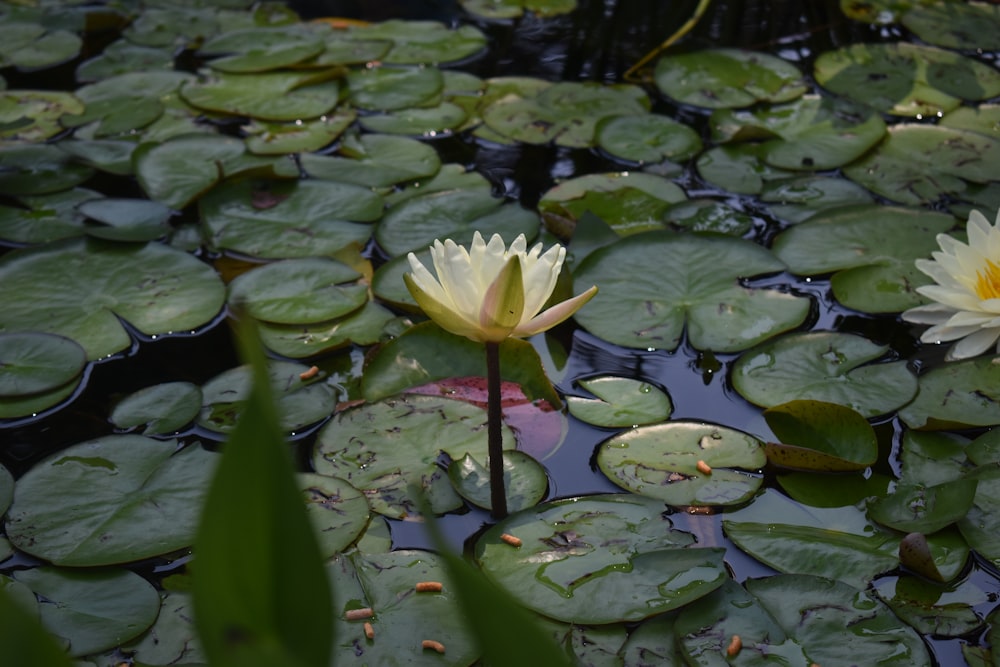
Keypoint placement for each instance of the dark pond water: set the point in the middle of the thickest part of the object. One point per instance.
(598, 42)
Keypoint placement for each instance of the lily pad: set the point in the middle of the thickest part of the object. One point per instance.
(44, 218)
(740, 168)
(629, 202)
(92, 611)
(109, 155)
(85, 289)
(289, 219)
(274, 96)
(388, 88)
(452, 214)
(620, 402)
(728, 78)
(824, 366)
(337, 510)
(981, 525)
(933, 609)
(820, 436)
(159, 409)
(6, 491)
(952, 24)
(601, 559)
(525, 480)
(301, 136)
(982, 119)
(838, 543)
(706, 215)
(36, 169)
(298, 291)
(262, 49)
(685, 463)
(32, 362)
(928, 458)
(33, 115)
(905, 79)
(415, 42)
(799, 199)
(172, 639)
(657, 286)
(126, 102)
(648, 138)
(428, 122)
(126, 498)
(364, 326)
(374, 160)
(924, 509)
(957, 395)
(811, 133)
(121, 57)
(33, 46)
(300, 402)
(512, 9)
(126, 219)
(918, 164)
(384, 448)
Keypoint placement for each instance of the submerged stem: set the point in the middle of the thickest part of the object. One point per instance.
(498, 495)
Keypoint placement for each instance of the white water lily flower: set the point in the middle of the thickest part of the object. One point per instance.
(489, 292)
(967, 293)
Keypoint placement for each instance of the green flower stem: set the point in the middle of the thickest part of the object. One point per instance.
(498, 495)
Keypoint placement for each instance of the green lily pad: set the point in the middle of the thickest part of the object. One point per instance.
(126, 219)
(300, 402)
(740, 168)
(933, 609)
(383, 448)
(982, 119)
(601, 559)
(160, 408)
(924, 509)
(171, 26)
(664, 461)
(33, 115)
(706, 215)
(172, 639)
(121, 57)
(918, 164)
(45, 218)
(512, 9)
(33, 46)
(274, 96)
(428, 122)
(452, 214)
(298, 291)
(450, 176)
(364, 326)
(32, 362)
(811, 133)
(652, 643)
(818, 489)
(85, 289)
(928, 458)
(728, 78)
(402, 618)
(6, 491)
(871, 247)
(127, 102)
(838, 543)
(981, 525)
(620, 402)
(126, 497)
(664, 285)
(301, 136)
(648, 138)
(941, 557)
(952, 24)
(177, 172)
(415, 42)
(390, 88)
(824, 366)
(374, 160)
(630, 202)
(289, 219)
(36, 169)
(342, 47)
(799, 199)
(91, 611)
(262, 49)
(112, 156)
(985, 449)
(337, 510)
(566, 113)
(820, 436)
(957, 395)
(905, 79)
(525, 481)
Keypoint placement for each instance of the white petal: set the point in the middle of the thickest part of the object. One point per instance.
(934, 313)
(490, 261)
(426, 281)
(940, 272)
(957, 299)
(964, 318)
(942, 333)
(973, 344)
(540, 278)
(458, 279)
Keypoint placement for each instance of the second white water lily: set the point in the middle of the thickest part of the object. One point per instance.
(967, 293)
(490, 292)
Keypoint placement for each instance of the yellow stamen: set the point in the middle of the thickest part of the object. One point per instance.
(988, 283)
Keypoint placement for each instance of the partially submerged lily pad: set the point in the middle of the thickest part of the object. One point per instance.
(601, 559)
(126, 497)
(685, 463)
(663, 285)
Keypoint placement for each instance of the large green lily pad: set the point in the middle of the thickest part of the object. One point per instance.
(664, 461)
(126, 102)
(905, 79)
(918, 164)
(383, 448)
(872, 249)
(91, 611)
(123, 498)
(957, 395)
(657, 286)
(276, 96)
(32, 362)
(389, 88)
(812, 133)
(32, 46)
(647, 138)
(374, 160)
(955, 25)
(84, 289)
(263, 49)
(365, 326)
(798, 199)
(415, 42)
(126, 219)
(824, 366)
(36, 169)
(924, 509)
(33, 115)
(121, 57)
(933, 609)
(289, 219)
(602, 559)
(44, 218)
(728, 78)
